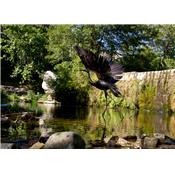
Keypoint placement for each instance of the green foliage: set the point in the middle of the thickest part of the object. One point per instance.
(4, 97)
(71, 86)
(59, 43)
(155, 92)
(32, 97)
(18, 131)
(43, 97)
(147, 97)
(34, 109)
(9, 97)
(22, 130)
(169, 63)
(13, 97)
(16, 107)
(62, 38)
(23, 47)
(165, 41)
(29, 50)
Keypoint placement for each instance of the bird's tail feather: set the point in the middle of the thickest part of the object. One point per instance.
(115, 91)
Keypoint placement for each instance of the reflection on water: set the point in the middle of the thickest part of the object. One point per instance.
(92, 126)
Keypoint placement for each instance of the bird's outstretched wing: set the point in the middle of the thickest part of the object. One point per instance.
(87, 57)
(108, 70)
(105, 68)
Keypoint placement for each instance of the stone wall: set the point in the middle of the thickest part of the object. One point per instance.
(150, 90)
(147, 75)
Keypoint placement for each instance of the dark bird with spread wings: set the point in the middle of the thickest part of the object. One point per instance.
(106, 69)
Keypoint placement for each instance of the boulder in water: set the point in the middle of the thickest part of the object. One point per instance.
(37, 145)
(48, 76)
(65, 140)
(7, 146)
(150, 142)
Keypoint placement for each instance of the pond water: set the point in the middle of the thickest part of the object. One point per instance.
(91, 124)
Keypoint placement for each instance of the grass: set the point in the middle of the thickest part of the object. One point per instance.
(14, 100)
(16, 108)
(7, 97)
(147, 97)
(155, 92)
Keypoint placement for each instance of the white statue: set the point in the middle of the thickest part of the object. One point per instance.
(48, 77)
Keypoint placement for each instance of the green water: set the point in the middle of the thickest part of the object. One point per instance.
(90, 123)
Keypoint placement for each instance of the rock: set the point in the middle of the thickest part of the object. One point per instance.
(46, 84)
(131, 142)
(150, 142)
(89, 146)
(37, 145)
(106, 139)
(160, 137)
(112, 143)
(130, 138)
(43, 139)
(13, 89)
(138, 144)
(5, 106)
(20, 143)
(50, 101)
(165, 142)
(45, 132)
(164, 146)
(8, 146)
(5, 122)
(65, 140)
(24, 99)
(143, 136)
(124, 143)
(97, 144)
(27, 116)
(41, 122)
(169, 141)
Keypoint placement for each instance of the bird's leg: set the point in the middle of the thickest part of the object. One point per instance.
(120, 97)
(109, 95)
(106, 96)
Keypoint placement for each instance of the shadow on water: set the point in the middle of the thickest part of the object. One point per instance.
(95, 123)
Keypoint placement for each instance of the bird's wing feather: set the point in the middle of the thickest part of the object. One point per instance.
(88, 58)
(109, 70)
(105, 68)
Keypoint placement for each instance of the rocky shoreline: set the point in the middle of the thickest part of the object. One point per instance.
(73, 140)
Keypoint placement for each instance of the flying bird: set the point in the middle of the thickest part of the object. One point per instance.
(106, 69)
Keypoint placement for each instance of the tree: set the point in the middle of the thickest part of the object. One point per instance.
(134, 46)
(29, 50)
(164, 47)
(72, 86)
(23, 48)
